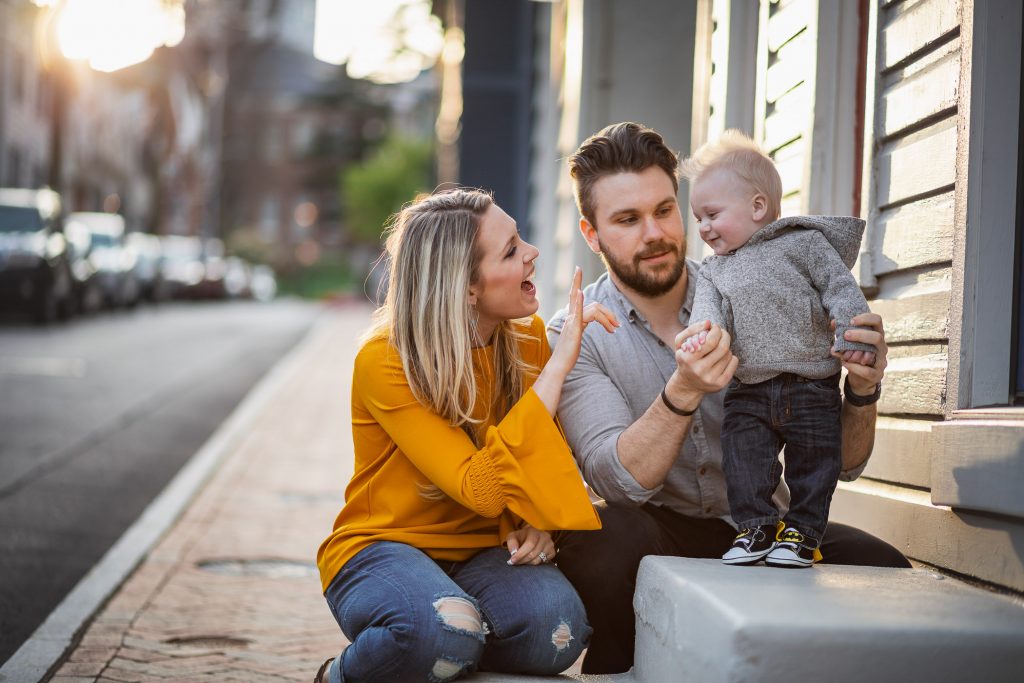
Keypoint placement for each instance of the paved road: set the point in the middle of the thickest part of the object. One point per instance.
(97, 416)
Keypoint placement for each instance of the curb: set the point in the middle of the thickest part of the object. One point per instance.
(47, 645)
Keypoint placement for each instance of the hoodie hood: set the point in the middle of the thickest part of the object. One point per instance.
(844, 233)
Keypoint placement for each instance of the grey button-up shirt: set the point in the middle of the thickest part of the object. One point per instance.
(614, 382)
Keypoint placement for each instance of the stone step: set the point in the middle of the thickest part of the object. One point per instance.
(699, 620)
(583, 678)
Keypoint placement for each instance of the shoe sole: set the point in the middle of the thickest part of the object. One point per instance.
(788, 564)
(747, 560)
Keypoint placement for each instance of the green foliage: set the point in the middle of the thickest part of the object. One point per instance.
(377, 188)
(330, 276)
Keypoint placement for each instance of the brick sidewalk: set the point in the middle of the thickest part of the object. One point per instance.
(267, 508)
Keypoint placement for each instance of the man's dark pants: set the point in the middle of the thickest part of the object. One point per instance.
(602, 565)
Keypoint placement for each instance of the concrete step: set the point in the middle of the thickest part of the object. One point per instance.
(699, 620)
(584, 678)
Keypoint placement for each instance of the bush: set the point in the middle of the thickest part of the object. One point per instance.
(372, 191)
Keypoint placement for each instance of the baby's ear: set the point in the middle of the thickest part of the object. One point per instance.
(759, 207)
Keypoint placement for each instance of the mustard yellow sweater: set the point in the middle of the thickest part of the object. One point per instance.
(524, 471)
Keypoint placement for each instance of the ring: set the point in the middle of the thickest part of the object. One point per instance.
(543, 557)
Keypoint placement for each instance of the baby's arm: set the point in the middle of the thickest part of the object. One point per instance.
(707, 305)
(840, 296)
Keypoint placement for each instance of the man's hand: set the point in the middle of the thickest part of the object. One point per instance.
(864, 374)
(701, 368)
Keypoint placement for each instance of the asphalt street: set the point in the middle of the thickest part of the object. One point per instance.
(96, 416)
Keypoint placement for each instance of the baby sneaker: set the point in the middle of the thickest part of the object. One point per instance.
(751, 545)
(794, 550)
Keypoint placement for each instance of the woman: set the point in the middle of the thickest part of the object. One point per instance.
(457, 452)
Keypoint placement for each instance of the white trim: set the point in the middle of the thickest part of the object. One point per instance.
(987, 188)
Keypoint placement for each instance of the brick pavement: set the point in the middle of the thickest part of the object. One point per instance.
(272, 501)
(270, 504)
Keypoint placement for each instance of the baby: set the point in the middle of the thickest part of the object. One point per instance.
(775, 285)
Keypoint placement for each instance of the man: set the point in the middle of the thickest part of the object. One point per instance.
(644, 418)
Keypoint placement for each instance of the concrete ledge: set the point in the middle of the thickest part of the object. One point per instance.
(698, 620)
(583, 678)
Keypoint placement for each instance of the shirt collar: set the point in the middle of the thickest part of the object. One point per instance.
(630, 311)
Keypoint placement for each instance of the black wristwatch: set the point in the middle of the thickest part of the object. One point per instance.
(858, 400)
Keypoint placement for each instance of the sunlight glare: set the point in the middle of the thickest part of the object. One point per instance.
(111, 34)
(388, 41)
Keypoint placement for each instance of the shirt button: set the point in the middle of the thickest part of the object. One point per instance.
(696, 429)
(661, 343)
(707, 510)
(702, 471)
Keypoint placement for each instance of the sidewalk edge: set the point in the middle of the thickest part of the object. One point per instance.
(48, 643)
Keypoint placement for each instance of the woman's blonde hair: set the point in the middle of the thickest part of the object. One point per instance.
(433, 258)
(744, 157)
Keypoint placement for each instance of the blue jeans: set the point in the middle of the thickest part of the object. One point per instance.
(410, 618)
(787, 410)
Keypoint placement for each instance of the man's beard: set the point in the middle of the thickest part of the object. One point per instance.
(646, 284)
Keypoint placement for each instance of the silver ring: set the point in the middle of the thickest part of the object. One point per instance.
(543, 557)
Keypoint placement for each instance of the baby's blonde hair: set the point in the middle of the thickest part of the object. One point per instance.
(744, 157)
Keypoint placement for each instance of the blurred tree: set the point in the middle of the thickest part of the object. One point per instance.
(393, 175)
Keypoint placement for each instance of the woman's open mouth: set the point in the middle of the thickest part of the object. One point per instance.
(528, 287)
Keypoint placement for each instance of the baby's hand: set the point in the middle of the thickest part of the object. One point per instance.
(859, 357)
(691, 344)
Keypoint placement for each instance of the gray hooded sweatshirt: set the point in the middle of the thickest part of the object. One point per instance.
(777, 293)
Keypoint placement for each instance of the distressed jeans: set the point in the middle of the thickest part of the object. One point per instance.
(787, 410)
(410, 619)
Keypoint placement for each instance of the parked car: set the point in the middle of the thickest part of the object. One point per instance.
(35, 267)
(114, 260)
(88, 293)
(149, 263)
(183, 269)
(263, 283)
(237, 278)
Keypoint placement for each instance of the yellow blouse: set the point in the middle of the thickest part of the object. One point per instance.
(525, 470)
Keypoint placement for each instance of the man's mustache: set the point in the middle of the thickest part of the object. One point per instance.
(654, 249)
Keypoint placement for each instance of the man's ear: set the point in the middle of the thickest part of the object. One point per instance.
(759, 207)
(589, 233)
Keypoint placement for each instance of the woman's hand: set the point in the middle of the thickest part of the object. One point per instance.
(567, 350)
(530, 546)
(548, 386)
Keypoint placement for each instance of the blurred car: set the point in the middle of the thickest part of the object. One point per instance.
(88, 294)
(263, 283)
(182, 268)
(149, 266)
(215, 269)
(114, 260)
(237, 278)
(35, 267)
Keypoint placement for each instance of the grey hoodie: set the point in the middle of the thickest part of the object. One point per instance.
(776, 294)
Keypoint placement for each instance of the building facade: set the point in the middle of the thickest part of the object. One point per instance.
(907, 113)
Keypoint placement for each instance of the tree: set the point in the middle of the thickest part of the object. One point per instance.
(374, 190)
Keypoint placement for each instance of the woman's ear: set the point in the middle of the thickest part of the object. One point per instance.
(472, 295)
(759, 207)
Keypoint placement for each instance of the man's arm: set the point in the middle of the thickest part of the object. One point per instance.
(649, 447)
(859, 422)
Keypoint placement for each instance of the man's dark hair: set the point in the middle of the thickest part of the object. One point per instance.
(619, 148)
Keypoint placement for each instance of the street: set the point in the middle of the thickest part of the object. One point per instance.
(97, 416)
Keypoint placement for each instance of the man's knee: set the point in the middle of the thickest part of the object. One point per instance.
(627, 535)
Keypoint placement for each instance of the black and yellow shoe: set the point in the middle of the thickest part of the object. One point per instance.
(751, 545)
(794, 550)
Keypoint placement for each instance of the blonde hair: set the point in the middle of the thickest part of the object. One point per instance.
(433, 259)
(744, 157)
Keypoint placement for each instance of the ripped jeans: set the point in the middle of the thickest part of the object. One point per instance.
(412, 619)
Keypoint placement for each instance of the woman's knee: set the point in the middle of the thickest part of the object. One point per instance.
(457, 640)
(547, 633)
